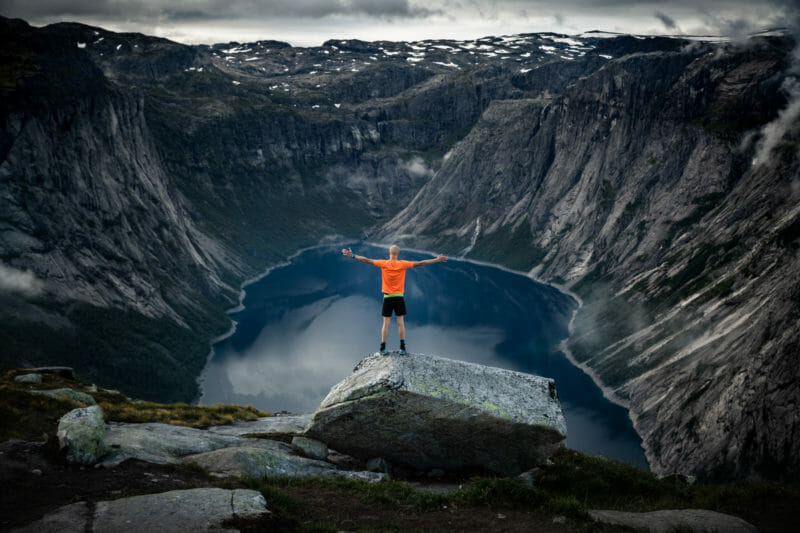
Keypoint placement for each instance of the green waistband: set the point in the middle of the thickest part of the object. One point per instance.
(392, 295)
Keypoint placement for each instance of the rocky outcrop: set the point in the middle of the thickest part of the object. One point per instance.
(82, 433)
(242, 449)
(268, 459)
(204, 509)
(427, 412)
(161, 443)
(674, 520)
(67, 394)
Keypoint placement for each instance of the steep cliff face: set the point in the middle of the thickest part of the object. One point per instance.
(106, 238)
(637, 188)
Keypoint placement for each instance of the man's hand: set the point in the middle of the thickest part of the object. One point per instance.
(347, 252)
(441, 258)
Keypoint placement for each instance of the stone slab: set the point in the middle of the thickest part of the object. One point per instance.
(193, 510)
(266, 426)
(675, 520)
(161, 443)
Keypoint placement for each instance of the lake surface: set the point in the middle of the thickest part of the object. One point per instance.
(305, 325)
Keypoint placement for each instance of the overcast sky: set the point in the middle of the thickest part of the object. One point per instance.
(311, 22)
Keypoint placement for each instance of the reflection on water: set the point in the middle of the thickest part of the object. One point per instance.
(305, 325)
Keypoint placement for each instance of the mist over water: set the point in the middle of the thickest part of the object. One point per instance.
(306, 325)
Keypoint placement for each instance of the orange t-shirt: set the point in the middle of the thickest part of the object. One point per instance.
(393, 273)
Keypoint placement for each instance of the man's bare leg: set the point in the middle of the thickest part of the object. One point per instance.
(401, 329)
(385, 329)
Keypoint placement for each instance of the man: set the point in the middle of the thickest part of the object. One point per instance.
(393, 274)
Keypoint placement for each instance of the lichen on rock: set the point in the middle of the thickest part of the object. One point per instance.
(82, 433)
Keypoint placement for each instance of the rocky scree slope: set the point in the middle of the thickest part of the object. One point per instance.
(640, 188)
(142, 180)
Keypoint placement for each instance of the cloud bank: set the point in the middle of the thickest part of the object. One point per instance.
(310, 22)
(21, 282)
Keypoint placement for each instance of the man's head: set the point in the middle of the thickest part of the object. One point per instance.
(394, 251)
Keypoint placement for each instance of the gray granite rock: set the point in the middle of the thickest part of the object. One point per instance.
(177, 511)
(270, 458)
(379, 464)
(291, 424)
(311, 448)
(82, 433)
(67, 394)
(672, 520)
(161, 443)
(430, 412)
(266, 458)
(29, 378)
(67, 519)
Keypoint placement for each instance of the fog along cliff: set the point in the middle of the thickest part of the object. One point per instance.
(648, 188)
(142, 181)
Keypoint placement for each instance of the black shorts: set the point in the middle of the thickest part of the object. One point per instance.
(394, 303)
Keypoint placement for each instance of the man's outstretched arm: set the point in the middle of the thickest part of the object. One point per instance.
(440, 259)
(347, 252)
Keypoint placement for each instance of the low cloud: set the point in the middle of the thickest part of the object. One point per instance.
(310, 22)
(772, 133)
(21, 282)
(666, 20)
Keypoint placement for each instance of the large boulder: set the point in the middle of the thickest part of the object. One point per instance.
(429, 412)
(82, 432)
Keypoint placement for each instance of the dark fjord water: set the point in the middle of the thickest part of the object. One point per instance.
(305, 325)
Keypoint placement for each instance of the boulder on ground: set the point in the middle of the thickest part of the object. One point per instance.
(429, 412)
(82, 432)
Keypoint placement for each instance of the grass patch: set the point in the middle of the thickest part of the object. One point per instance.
(180, 414)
